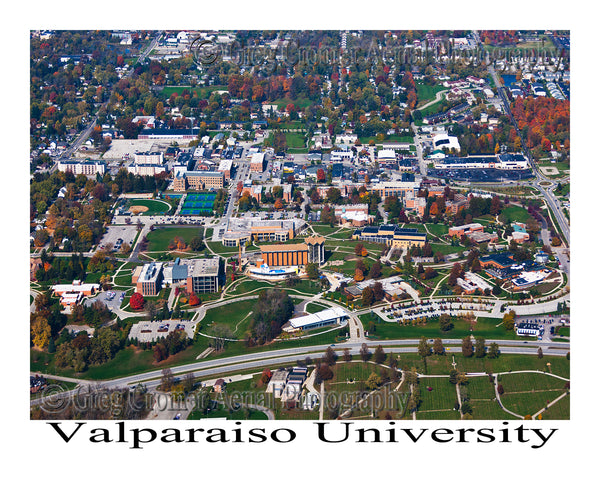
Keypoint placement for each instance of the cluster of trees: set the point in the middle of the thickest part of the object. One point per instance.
(372, 294)
(544, 122)
(273, 308)
(174, 342)
(46, 321)
(94, 315)
(80, 352)
(61, 269)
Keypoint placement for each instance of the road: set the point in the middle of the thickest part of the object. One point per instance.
(83, 136)
(545, 186)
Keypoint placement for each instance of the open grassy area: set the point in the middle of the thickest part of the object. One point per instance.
(155, 207)
(202, 92)
(300, 102)
(222, 411)
(426, 93)
(295, 140)
(441, 397)
(484, 327)
(158, 239)
(236, 316)
(438, 229)
(516, 214)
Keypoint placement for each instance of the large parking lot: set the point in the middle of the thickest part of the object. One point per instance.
(115, 232)
(150, 331)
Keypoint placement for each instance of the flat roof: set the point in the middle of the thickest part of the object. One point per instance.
(294, 247)
(323, 316)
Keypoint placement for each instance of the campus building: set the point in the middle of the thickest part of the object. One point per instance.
(198, 180)
(330, 316)
(88, 167)
(73, 293)
(149, 158)
(463, 230)
(391, 235)
(357, 215)
(146, 170)
(200, 275)
(245, 230)
(257, 162)
(284, 255)
(148, 278)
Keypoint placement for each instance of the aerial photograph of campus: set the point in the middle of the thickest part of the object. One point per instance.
(299, 224)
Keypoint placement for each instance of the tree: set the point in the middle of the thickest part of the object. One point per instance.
(364, 352)
(321, 175)
(312, 270)
(479, 347)
(347, 356)
(379, 355)
(197, 244)
(323, 373)
(467, 347)
(540, 353)
(438, 347)
(493, 350)
(167, 380)
(378, 291)
(424, 349)
(330, 357)
(40, 332)
(194, 300)
(375, 271)
(266, 376)
(358, 275)
(278, 204)
(136, 301)
(508, 320)
(367, 297)
(446, 322)
(500, 389)
(373, 382)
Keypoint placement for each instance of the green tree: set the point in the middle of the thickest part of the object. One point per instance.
(493, 350)
(379, 355)
(373, 382)
(424, 348)
(367, 297)
(312, 270)
(467, 347)
(438, 347)
(479, 347)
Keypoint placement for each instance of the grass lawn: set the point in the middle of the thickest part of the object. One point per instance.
(221, 411)
(233, 315)
(446, 249)
(299, 102)
(203, 92)
(158, 239)
(155, 207)
(561, 410)
(295, 140)
(516, 214)
(426, 93)
(438, 229)
(441, 397)
(485, 327)
(315, 307)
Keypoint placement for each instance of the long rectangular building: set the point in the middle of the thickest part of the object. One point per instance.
(391, 235)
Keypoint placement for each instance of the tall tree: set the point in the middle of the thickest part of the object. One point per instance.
(467, 347)
(424, 349)
(480, 347)
(438, 347)
(379, 355)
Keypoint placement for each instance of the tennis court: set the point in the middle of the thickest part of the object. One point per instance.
(198, 204)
